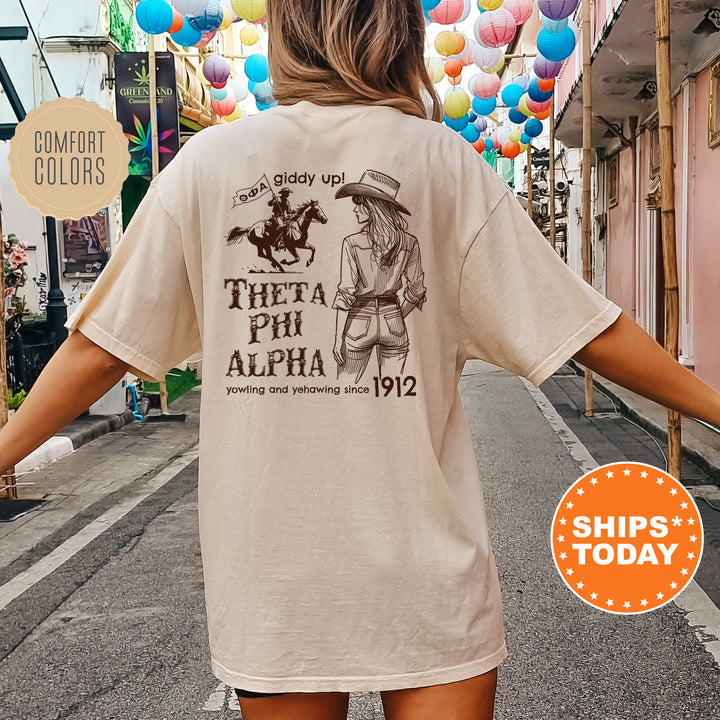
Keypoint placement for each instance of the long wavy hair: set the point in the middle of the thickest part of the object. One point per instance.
(335, 52)
(385, 227)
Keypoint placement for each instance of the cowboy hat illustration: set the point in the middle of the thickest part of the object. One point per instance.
(374, 184)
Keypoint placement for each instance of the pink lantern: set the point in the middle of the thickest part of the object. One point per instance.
(538, 107)
(521, 10)
(485, 85)
(466, 56)
(447, 12)
(495, 28)
(225, 106)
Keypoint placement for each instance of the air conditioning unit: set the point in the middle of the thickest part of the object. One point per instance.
(562, 187)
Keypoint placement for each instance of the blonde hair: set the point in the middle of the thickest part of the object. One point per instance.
(334, 52)
(385, 228)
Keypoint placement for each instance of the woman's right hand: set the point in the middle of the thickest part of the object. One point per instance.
(337, 351)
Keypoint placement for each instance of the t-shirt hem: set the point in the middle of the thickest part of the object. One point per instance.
(139, 363)
(375, 683)
(582, 337)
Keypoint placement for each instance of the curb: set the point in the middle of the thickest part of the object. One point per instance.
(77, 433)
(705, 456)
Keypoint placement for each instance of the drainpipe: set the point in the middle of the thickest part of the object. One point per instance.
(633, 123)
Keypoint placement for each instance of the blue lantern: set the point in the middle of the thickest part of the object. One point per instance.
(484, 106)
(556, 46)
(256, 68)
(489, 145)
(218, 93)
(209, 20)
(471, 133)
(457, 124)
(533, 127)
(263, 106)
(516, 116)
(523, 82)
(511, 94)
(154, 16)
(186, 36)
(525, 139)
(536, 94)
(554, 26)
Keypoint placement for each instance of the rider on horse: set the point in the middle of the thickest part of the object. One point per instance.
(282, 214)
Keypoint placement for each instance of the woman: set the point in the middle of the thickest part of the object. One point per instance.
(376, 262)
(350, 558)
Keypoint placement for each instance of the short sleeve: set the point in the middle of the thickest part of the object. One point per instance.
(521, 307)
(141, 307)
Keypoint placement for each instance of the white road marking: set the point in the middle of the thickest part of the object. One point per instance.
(51, 562)
(223, 696)
(703, 616)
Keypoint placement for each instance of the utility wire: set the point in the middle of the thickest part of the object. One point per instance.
(39, 47)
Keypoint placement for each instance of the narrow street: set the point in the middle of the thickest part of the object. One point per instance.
(101, 587)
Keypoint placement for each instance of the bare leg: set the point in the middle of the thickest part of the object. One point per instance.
(472, 699)
(296, 706)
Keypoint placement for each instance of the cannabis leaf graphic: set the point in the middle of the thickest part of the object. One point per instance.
(143, 77)
(142, 140)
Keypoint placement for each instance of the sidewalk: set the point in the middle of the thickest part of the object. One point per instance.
(700, 444)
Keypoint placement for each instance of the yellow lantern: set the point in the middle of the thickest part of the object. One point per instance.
(489, 4)
(495, 70)
(435, 68)
(227, 18)
(248, 35)
(446, 43)
(515, 136)
(523, 106)
(250, 10)
(201, 75)
(235, 114)
(457, 103)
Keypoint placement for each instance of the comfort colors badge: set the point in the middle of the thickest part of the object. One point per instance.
(68, 158)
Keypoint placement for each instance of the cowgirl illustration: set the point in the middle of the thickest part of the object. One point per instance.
(378, 262)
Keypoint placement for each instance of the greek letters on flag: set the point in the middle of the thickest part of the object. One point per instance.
(245, 195)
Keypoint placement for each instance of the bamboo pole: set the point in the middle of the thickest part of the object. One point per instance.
(551, 172)
(155, 156)
(529, 182)
(7, 481)
(586, 179)
(667, 205)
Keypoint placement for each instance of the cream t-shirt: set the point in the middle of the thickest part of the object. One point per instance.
(344, 538)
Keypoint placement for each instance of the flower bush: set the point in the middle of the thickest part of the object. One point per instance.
(15, 261)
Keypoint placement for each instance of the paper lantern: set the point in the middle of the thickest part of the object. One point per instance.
(429, 4)
(554, 26)
(446, 43)
(525, 139)
(248, 35)
(511, 94)
(453, 68)
(484, 106)
(177, 23)
(521, 10)
(546, 84)
(485, 57)
(227, 18)
(256, 67)
(240, 88)
(481, 124)
(543, 115)
(522, 106)
(496, 143)
(226, 105)
(497, 68)
(461, 42)
(467, 8)
(447, 12)
(263, 92)
(218, 93)
(537, 107)
(479, 145)
(484, 5)
(503, 134)
(545, 68)
(455, 80)
(470, 133)
(205, 39)
(466, 56)
(556, 46)
(515, 136)
(515, 116)
(523, 148)
(190, 7)
(510, 149)
(187, 36)
(557, 9)
(435, 68)
(485, 85)
(495, 28)
(457, 124)
(533, 127)
(250, 10)
(536, 94)
(209, 20)
(216, 69)
(489, 144)
(154, 16)
(236, 114)
(457, 103)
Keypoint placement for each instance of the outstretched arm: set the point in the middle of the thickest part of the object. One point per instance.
(77, 375)
(625, 354)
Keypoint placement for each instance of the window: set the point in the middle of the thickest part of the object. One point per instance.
(654, 149)
(714, 119)
(612, 181)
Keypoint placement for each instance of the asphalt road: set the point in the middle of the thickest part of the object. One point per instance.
(117, 632)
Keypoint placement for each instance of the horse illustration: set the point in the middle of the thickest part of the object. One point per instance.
(266, 238)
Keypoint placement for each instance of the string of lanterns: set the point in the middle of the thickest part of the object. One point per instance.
(528, 100)
(194, 23)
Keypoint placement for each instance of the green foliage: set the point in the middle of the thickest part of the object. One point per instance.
(15, 400)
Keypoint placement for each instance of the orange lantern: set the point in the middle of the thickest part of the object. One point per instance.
(453, 68)
(546, 84)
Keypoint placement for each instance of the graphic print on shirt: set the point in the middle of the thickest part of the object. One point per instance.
(281, 234)
(381, 281)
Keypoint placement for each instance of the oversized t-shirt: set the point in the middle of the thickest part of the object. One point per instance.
(337, 265)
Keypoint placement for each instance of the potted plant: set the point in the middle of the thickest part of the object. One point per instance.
(15, 260)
